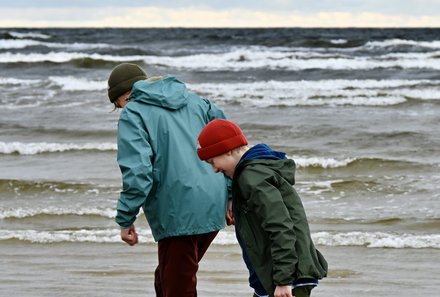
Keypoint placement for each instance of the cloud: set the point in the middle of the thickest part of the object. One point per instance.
(204, 16)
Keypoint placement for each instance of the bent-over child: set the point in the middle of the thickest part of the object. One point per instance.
(270, 220)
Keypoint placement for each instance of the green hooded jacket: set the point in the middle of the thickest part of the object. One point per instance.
(161, 172)
(271, 221)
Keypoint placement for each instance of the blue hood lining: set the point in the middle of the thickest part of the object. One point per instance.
(263, 151)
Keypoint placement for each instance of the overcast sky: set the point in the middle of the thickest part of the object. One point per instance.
(220, 13)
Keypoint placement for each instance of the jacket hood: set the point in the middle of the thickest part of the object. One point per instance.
(167, 92)
(263, 151)
(264, 155)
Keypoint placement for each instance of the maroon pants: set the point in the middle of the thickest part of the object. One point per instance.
(179, 258)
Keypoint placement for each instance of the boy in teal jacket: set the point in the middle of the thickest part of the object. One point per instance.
(183, 200)
(270, 220)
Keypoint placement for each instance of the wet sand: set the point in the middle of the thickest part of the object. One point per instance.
(88, 269)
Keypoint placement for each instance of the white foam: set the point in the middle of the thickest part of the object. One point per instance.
(35, 236)
(23, 43)
(255, 58)
(19, 82)
(335, 92)
(321, 162)
(242, 59)
(34, 148)
(61, 57)
(435, 44)
(226, 237)
(299, 87)
(29, 35)
(377, 239)
(17, 43)
(24, 212)
(338, 41)
(322, 92)
(71, 83)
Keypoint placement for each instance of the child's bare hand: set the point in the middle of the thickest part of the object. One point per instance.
(229, 214)
(283, 291)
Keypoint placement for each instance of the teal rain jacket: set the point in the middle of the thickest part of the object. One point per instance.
(161, 172)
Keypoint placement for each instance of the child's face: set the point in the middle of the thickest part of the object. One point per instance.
(224, 163)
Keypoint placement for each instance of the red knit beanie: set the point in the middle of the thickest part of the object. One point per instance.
(219, 137)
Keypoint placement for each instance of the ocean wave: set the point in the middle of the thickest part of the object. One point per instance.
(374, 162)
(245, 59)
(29, 35)
(71, 83)
(426, 224)
(66, 83)
(34, 148)
(27, 187)
(17, 44)
(62, 57)
(434, 44)
(252, 58)
(289, 93)
(377, 240)
(262, 37)
(225, 237)
(10, 81)
(341, 43)
(262, 94)
(356, 87)
(21, 213)
(354, 44)
(350, 162)
(24, 43)
(323, 92)
(321, 162)
(34, 236)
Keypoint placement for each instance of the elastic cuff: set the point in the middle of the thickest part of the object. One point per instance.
(256, 295)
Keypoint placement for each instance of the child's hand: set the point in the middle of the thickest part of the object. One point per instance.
(229, 214)
(283, 291)
(129, 235)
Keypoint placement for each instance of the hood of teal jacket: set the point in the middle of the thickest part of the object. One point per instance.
(168, 93)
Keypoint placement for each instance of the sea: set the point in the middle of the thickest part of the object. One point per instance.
(357, 109)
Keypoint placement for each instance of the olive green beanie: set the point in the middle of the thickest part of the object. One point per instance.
(122, 79)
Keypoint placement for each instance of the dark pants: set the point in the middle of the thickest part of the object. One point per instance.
(254, 282)
(179, 258)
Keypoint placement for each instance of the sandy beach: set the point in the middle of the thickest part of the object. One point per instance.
(85, 269)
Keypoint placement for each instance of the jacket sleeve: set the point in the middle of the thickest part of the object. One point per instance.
(266, 202)
(135, 162)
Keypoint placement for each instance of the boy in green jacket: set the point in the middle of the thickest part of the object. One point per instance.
(270, 220)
